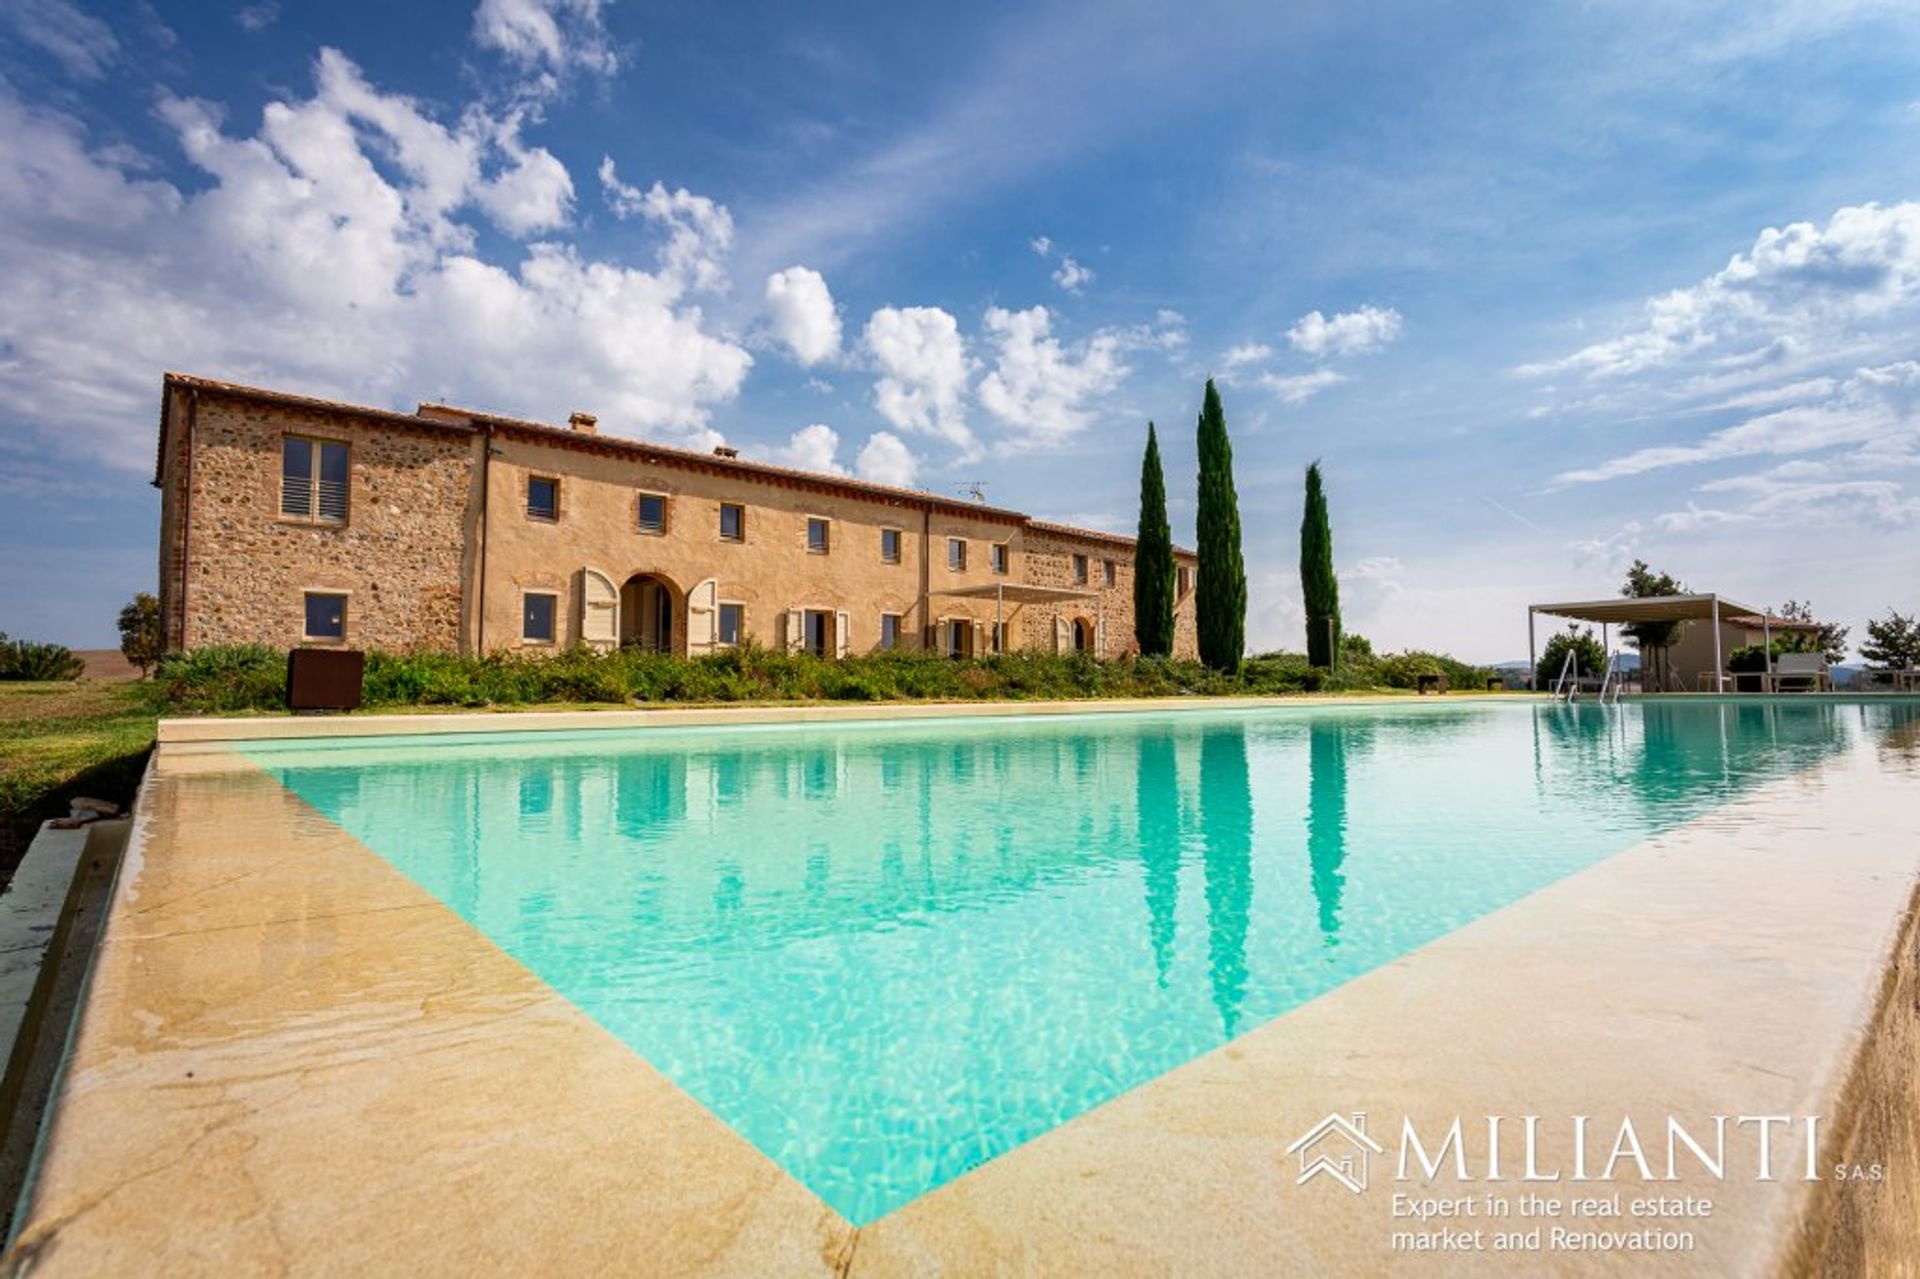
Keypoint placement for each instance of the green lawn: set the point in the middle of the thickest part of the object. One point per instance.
(59, 740)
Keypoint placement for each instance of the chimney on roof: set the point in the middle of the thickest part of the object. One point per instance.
(725, 450)
(584, 422)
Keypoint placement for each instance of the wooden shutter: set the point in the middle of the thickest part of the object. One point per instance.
(979, 640)
(1062, 634)
(599, 609)
(841, 638)
(703, 617)
(796, 630)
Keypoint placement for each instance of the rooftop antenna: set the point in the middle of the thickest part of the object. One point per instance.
(975, 489)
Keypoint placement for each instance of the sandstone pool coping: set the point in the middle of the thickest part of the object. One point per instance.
(292, 1059)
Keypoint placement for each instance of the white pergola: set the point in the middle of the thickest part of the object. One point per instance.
(1019, 593)
(1626, 610)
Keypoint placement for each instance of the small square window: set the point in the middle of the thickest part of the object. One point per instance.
(889, 630)
(1109, 572)
(733, 522)
(732, 619)
(326, 615)
(997, 558)
(543, 498)
(957, 554)
(536, 616)
(890, 545)
(1080, 569)
(653, 513)
(818, 535)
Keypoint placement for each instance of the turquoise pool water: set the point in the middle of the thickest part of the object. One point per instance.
(886, 953)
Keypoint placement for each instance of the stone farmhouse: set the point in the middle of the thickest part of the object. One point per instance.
(293, 521)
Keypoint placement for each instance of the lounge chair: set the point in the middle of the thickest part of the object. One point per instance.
(1803, 672)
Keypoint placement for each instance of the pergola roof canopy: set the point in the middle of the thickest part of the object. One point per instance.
(1020, 593)
(1651, 608)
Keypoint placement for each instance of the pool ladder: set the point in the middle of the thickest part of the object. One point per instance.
(1566, 687)
(1615, 679)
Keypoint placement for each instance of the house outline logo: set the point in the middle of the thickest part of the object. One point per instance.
(1339, 1147)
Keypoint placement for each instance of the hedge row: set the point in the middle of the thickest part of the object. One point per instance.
(253, 677)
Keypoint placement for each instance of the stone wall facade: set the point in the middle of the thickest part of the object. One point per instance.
(236, 570)
(441, 549)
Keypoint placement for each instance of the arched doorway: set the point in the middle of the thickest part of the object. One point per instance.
(649, 607)
(1082, 635)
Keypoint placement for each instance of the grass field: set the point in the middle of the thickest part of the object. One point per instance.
(59, 740)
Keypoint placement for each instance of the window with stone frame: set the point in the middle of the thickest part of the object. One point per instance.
(314, 478)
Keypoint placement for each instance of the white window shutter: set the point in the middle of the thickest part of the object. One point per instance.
(979, 640)
(703, 617)
(599, 609)
(1062, 634)
(1100, 637)
(842, 641)
(796, 629)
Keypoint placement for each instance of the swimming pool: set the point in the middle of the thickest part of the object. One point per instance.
(887, 952)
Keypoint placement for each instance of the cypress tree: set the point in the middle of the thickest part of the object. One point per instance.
(1220, 594)
(1153, 559)
(1319, 589)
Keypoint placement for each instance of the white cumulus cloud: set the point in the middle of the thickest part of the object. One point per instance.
(886, 459)
(1348, 333)
(297, 260)
(532, 194)
(699, 230)
(1071, 276)
(924, 369)
(1247, 353)
(1298, 388)
(1037, 387)
(1799, 284)
(812, 448)
(550, 35)
(803, 314)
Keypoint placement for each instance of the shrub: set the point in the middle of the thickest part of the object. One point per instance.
(224, 677)
(26, 660)
(252, 677)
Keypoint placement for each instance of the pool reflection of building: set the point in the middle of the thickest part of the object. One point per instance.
(668, 842)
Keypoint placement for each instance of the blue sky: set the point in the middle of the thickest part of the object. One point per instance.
(1544, 287)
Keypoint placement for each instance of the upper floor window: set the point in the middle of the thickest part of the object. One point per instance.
(1080, 569)
(653, 513)
(997, 557)
(819, 535)
(732, 621)
(733, 522)
(543, 498)
(326, 615)
(1109, 572)
(537, 612)
(890, 545)
(1182, 581)
(957, 554)
(313, 479)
